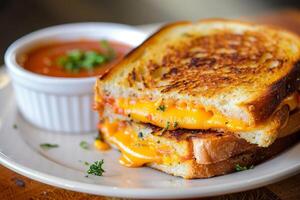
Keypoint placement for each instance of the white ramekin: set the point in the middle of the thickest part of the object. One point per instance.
(61, 104)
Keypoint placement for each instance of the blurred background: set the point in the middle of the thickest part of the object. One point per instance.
(19, 17)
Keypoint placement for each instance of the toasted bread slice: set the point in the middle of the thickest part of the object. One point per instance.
(236, 72)
(243, 71)
(198, 154)
(206, 147)
(191, 169)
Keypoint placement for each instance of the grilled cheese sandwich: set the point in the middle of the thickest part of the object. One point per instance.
(200, 95)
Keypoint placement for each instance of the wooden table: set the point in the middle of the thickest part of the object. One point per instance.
(14, 186)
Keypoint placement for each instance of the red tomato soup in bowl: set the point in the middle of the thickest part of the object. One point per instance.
(53, 72)
(73, 59)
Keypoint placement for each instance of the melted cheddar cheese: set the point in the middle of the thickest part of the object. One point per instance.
(101, 145)
(174, 116)
(185, 116)
(135, 151)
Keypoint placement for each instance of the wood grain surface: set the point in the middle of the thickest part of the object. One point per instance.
(14, 186)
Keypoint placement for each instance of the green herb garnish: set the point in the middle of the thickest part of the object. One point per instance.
(15, 126)
(167, 127)
(77, 60)
(161, 108)
(96, 168)
(84, 145)
(85, 162)
(140, 135)
(175, 124)
(110, 52)
(47, 146)
(239, 168)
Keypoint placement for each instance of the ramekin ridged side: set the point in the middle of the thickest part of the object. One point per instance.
(65, 113)
(61, 104)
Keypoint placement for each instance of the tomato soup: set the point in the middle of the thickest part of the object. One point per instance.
(44, 60)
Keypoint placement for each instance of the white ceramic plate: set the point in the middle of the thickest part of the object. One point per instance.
(64, 167)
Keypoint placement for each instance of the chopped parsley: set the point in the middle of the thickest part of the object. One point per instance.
(85, 162)
(47, 146)
(110, 52)
(167, 126)
(175, 124)
(15, 126)
(140, 135)
(239, 168)
(96, 168)
(76, 60)
(84, 145)
(161, 108)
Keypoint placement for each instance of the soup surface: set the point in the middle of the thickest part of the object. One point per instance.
(82, 58)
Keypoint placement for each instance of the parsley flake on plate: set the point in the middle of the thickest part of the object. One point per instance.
(47, 146)
(96, 168)
(84, 145)
(85, 162)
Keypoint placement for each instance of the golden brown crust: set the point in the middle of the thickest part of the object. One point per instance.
(151, 39)
(191, 169)
(275, 94)
(209, 146)
(269, 131)
(138, 50)
(257, 65)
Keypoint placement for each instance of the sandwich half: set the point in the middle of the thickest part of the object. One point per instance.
(196, 98)
(190, 153)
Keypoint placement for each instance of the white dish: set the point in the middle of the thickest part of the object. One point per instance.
(20, 151)
(62, 104)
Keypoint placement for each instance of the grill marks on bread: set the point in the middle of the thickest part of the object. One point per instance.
(198, 63)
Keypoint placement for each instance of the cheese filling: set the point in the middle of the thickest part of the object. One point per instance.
(136, 149)
(172, 116)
